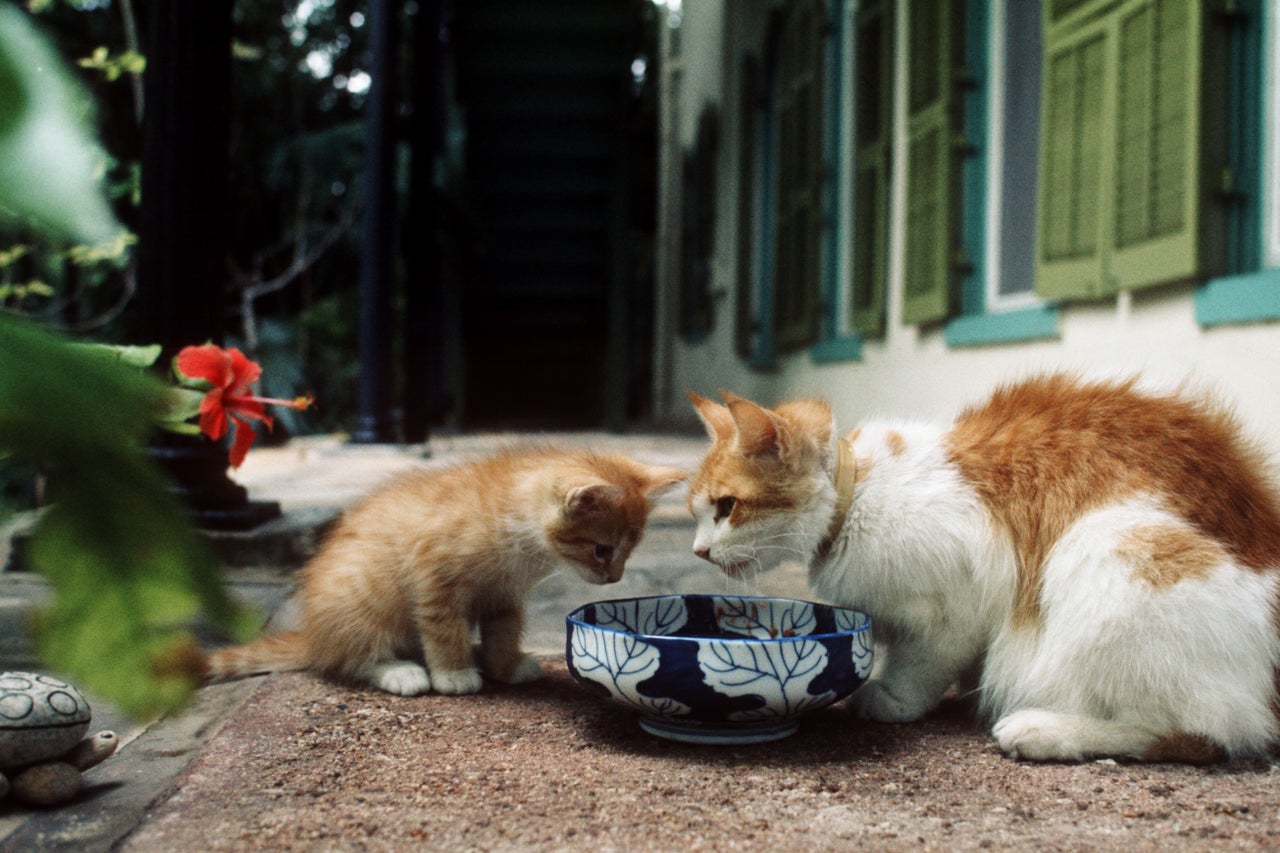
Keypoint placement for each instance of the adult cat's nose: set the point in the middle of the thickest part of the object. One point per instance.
(704, 552)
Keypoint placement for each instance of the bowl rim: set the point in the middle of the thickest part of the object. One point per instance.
(866, 625)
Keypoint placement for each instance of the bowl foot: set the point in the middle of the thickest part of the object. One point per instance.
(709, 733)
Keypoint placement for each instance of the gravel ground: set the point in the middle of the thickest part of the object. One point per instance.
(307, 765)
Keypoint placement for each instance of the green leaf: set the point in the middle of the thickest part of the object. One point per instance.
(133, 356)
(129, 573)
(181, 405)
(18, 250)
(48, 162)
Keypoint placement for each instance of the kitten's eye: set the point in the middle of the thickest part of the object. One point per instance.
(724, 506)
(604, 553)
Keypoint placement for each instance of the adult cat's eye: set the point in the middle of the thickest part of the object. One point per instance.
(604, 553)
(724, 506)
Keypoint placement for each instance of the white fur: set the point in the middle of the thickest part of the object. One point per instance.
(907, 555)
(1114, 664)
(402, 677)
(457, 681)
(1197, 657)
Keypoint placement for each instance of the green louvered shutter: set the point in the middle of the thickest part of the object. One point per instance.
(932, 168)
(1157, 181)
(1127, 145)
(1073, 151)
(798, 216)
(873, 108)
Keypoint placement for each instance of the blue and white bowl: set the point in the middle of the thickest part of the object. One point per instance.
(718, 668)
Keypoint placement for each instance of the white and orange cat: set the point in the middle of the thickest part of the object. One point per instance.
(410, 571)
(1101, 563)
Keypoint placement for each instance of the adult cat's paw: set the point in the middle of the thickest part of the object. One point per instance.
(457, 681)
(404, 678)
(877, 701)
(1037, 735)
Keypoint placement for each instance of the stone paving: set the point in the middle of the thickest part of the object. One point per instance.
(314, 478)
(291, 762)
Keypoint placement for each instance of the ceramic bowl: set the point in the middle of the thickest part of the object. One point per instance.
(718, 668)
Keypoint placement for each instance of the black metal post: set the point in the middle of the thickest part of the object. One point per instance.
(183, 228)
(424, 391)
(375, 422)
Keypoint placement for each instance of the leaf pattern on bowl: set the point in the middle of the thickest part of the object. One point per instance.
(780, 673)
(620, 662)
(660, 616)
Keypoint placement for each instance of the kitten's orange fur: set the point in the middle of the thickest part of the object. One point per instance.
(413, 568)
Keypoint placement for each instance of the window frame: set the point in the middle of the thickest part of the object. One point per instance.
(987, 316)
(1252, 293)
(839, 338)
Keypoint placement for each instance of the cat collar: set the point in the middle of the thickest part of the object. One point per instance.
(844, 478)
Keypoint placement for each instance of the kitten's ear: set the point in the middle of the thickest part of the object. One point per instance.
(584, 500)
(658, 479)
(715, 417)
(758, 432)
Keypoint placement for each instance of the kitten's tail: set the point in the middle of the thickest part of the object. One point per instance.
(273, 653)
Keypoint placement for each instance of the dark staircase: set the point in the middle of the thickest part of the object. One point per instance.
(544, 92)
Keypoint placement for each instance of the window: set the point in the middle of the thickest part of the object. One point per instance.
(1251, 290)
(798, 106)
(1003, 55)
(698, 231)
(745, 224)
(1014, 154)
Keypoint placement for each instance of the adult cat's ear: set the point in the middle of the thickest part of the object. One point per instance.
(659, 478)
(758, 432)
(715, 417)
(584, 500)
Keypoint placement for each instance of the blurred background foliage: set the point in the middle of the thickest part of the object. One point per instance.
(130, 576)
(295, 162)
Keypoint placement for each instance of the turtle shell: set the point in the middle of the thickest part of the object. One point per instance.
(41, 718)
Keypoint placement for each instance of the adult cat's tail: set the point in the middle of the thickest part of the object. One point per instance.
(273, 653)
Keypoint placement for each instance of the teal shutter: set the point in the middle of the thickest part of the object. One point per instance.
(800, 174)
(933, 127)
(873, 111)
(748, 151)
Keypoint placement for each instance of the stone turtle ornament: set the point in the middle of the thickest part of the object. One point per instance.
(43, 748)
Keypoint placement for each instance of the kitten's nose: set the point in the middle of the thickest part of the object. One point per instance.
(704, 552)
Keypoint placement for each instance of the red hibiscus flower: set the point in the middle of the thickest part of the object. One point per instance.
(228, 401)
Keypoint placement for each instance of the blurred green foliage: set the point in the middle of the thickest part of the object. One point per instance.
(295, 167)
(129, 574)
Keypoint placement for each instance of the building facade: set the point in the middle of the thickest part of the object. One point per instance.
(898, 204)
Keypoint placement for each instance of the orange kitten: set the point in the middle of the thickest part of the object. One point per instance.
(1102, 563)
(413, 568)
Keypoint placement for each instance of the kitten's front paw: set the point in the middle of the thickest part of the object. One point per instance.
(403, 678)
(457, 681)
(527, 670)
(876, 701)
